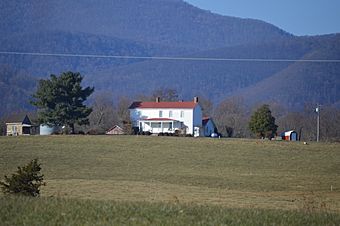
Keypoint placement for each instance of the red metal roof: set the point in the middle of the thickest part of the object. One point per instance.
(179, 105)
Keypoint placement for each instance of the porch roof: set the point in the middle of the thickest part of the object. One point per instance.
(163, 105)
(158, 120)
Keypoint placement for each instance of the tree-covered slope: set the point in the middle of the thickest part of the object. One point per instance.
(161, 28)
(303, 82)
(165, 22)
(74, 44)
(221, 79)
(15, 90)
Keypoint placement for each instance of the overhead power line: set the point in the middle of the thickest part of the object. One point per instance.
(169, 57)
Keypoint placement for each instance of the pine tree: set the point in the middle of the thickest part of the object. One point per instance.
(26, 181)
(262, 123)
(60, 100)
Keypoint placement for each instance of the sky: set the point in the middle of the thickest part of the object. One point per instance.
(299, 17)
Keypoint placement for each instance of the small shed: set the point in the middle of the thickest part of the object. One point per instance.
(19, 127)
(209, 126)
(116, 130)
(290, 135)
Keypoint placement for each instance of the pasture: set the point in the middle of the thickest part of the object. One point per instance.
(217, 175)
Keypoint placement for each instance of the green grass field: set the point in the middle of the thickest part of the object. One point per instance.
(220, 177)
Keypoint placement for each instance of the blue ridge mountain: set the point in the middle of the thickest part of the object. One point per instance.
(171, 28)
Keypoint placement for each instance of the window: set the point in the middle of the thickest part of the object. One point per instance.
(170, 114)
(160, 114)
(182, 114)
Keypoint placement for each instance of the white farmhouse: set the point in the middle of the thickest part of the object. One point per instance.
(167, 117)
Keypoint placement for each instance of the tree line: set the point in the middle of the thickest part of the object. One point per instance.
(62, 101)
(232, 117)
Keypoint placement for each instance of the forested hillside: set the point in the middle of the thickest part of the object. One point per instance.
(290, 83)
(164, 22)
(303, 82)
(160, 28)
(15, 90)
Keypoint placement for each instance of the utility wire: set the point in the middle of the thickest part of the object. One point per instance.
(169, 58)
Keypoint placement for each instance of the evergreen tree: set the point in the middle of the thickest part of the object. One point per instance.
(26, 181)
(60, 100)
(262, 123)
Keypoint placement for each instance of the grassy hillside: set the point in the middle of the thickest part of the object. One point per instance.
(231, 173)
(136, 180)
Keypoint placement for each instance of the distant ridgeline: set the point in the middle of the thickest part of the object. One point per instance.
(161, 28)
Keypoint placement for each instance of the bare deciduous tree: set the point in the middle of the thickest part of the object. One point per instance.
(166, 94)
(206, 105)
(103, 115)
(122, 109)
(231, 118)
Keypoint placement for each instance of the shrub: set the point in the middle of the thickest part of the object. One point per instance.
(26, 181)
(177, 133)
(92, 132)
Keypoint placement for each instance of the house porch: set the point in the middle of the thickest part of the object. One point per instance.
(160, 125)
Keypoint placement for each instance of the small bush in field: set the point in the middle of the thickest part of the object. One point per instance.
(26, 181)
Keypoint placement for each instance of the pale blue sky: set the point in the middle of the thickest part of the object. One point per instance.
(299, 17)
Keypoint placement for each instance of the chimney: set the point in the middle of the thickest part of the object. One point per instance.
(158, 99)
(195, 99)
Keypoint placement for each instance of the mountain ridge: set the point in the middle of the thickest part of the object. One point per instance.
(159, 23)
(163, 28)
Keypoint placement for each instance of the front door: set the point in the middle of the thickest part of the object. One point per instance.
(14, 131)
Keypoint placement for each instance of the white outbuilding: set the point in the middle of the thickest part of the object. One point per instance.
(290, 135)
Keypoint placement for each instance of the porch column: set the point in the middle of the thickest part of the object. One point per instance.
(150, 129)
(162, 126)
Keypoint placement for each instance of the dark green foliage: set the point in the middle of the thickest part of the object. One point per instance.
(262, 123)
(60, 100)
(26, 181)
